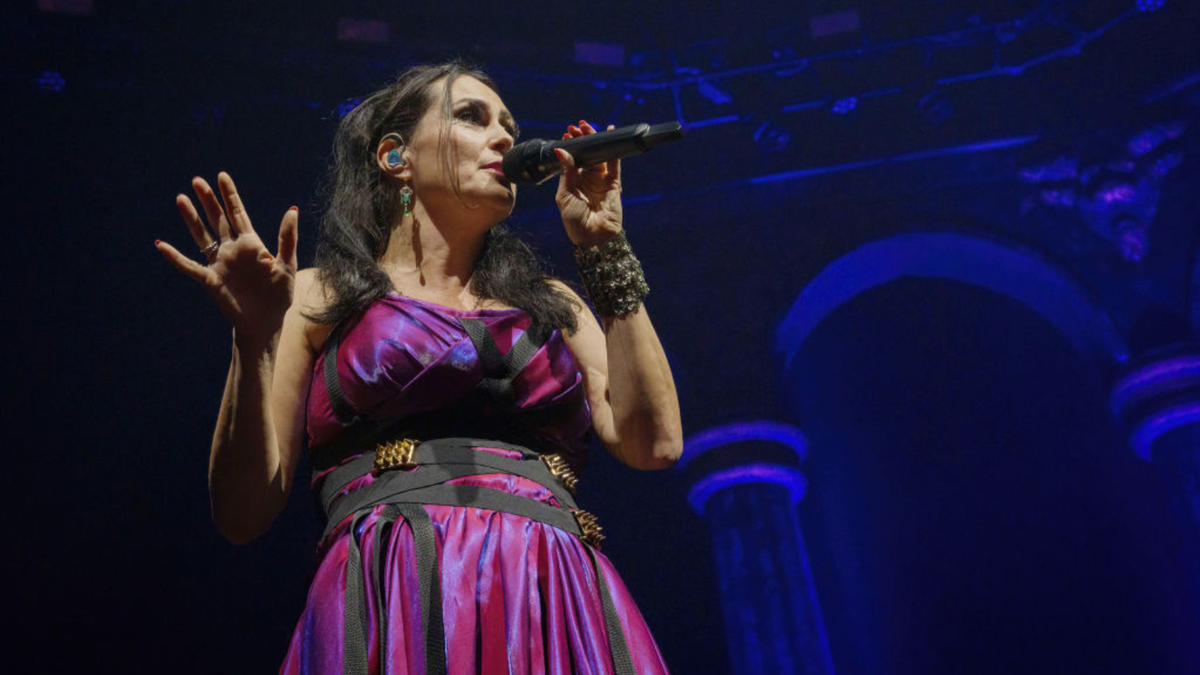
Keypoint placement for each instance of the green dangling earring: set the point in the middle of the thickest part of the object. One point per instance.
(406, 196)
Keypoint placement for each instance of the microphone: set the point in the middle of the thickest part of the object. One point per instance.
(534, 161)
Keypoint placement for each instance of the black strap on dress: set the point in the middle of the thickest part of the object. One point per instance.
(333, 383)
(404, 492)
(500, 371)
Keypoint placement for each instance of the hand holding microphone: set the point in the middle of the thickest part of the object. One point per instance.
(534, 161)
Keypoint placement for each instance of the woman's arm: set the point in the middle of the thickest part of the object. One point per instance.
(629, 386)
(259, 433)
(635, 410)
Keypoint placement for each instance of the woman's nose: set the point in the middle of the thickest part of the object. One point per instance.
(503, 141)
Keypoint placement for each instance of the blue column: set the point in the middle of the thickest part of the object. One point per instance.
(746, 482)
(1158, 398)
(1157, 395)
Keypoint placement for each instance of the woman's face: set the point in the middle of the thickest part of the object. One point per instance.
(480, 130)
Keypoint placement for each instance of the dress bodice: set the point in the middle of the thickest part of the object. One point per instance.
(408, 359)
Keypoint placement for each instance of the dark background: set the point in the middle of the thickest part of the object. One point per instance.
(973, 505)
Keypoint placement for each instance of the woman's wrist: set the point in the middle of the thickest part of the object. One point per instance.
(594, 239)
(612, 276)
(250, 345)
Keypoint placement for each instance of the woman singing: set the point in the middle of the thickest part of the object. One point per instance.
(446, 389)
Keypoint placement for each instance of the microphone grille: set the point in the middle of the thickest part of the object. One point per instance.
(520, 163)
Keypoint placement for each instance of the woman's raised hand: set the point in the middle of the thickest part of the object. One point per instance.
(589, 199)
(252, 287)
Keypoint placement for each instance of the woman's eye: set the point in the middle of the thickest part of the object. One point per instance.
(469, 115)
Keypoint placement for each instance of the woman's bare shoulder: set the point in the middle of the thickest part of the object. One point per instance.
(567, 290)
(309, 287)
(310, 298)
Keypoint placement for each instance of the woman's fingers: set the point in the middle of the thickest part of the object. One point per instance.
(600, 176)
(212, 208)
(191, 219)
(288, 236)
(570, 177)
(565, 159)
(235, 212)
(585, 128)
(193, 269)
(613, 166)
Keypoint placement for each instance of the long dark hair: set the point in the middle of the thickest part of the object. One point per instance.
(363, 203)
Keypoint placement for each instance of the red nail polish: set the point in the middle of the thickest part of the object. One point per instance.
(157, 242)
(293, 209)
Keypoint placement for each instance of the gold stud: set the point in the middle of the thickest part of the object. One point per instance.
(589, 525)
(561, 470)
(398, 454)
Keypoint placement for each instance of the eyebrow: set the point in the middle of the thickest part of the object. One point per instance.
(516, 128)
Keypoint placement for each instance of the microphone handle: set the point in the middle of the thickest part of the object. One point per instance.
(596, 148)
(624, 142)
(609, 145)
(593, 149)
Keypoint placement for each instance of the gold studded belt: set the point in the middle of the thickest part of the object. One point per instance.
(417, 472)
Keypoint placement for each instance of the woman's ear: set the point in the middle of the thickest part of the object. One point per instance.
(390, 157)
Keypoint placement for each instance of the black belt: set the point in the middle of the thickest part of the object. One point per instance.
(403, 493)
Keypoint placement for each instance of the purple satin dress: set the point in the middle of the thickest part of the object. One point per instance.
(519, 597)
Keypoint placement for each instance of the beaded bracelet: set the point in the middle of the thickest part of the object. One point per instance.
(612, 276)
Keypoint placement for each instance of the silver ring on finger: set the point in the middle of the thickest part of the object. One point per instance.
(210, 251)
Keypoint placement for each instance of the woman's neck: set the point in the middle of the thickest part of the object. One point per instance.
(427, 260)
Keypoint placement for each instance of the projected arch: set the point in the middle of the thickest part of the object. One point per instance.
(1020, 274)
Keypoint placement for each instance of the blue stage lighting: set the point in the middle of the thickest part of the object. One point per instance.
(843, 106)
(1149, 5)
(772, 137)
(712, 93)
(51, 80)
(346, 106)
